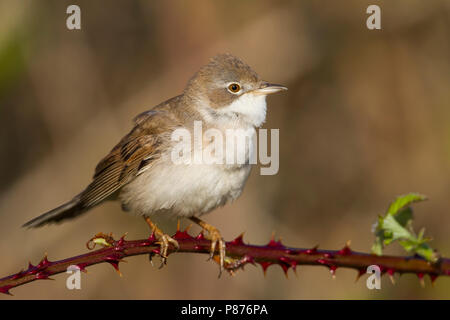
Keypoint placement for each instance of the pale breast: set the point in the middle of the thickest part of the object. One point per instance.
(184, 190)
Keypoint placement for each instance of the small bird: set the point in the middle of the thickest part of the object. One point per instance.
(224, 94)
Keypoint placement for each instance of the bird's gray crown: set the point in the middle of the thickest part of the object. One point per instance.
(211, 83)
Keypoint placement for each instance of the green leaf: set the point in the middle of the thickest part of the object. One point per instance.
(404, 201)
(377, 247)
(404, 217)
(424, 250)
(395, 230)
(396, 225)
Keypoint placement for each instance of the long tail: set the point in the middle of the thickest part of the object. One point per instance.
(69, 210)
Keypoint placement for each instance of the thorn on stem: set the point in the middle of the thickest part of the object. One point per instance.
(239, 240)
(200, 236)
(421, 279)
(5, 290)
(345, 251)
(360, 273)
(265, 265)
(311, 251)
(333, 269)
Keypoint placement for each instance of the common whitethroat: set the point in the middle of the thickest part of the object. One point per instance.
(139, 172)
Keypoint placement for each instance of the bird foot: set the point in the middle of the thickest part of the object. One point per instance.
(164, 241)
(216, 241)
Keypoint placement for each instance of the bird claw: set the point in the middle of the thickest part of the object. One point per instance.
(216, 239)
(164, 241)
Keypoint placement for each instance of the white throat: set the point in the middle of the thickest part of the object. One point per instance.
(250, 107)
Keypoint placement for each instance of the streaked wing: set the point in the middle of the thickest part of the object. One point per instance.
(121, 165)
(132, 155)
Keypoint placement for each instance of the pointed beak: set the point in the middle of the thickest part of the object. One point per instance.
(269, 88)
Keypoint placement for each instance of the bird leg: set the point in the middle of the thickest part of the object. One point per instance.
(216, 238)
(163, 240)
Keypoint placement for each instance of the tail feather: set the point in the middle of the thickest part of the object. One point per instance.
(68, 210)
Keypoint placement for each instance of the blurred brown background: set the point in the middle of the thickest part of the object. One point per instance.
(366, 118)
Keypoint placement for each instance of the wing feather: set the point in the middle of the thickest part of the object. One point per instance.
(134, 154)
(123, 164)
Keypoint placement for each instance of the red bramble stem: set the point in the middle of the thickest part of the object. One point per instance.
(238, 255)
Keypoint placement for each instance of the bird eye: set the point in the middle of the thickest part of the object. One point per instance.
(234, 88)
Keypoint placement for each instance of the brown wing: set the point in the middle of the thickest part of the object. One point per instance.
(121, 165)
(135, 152)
